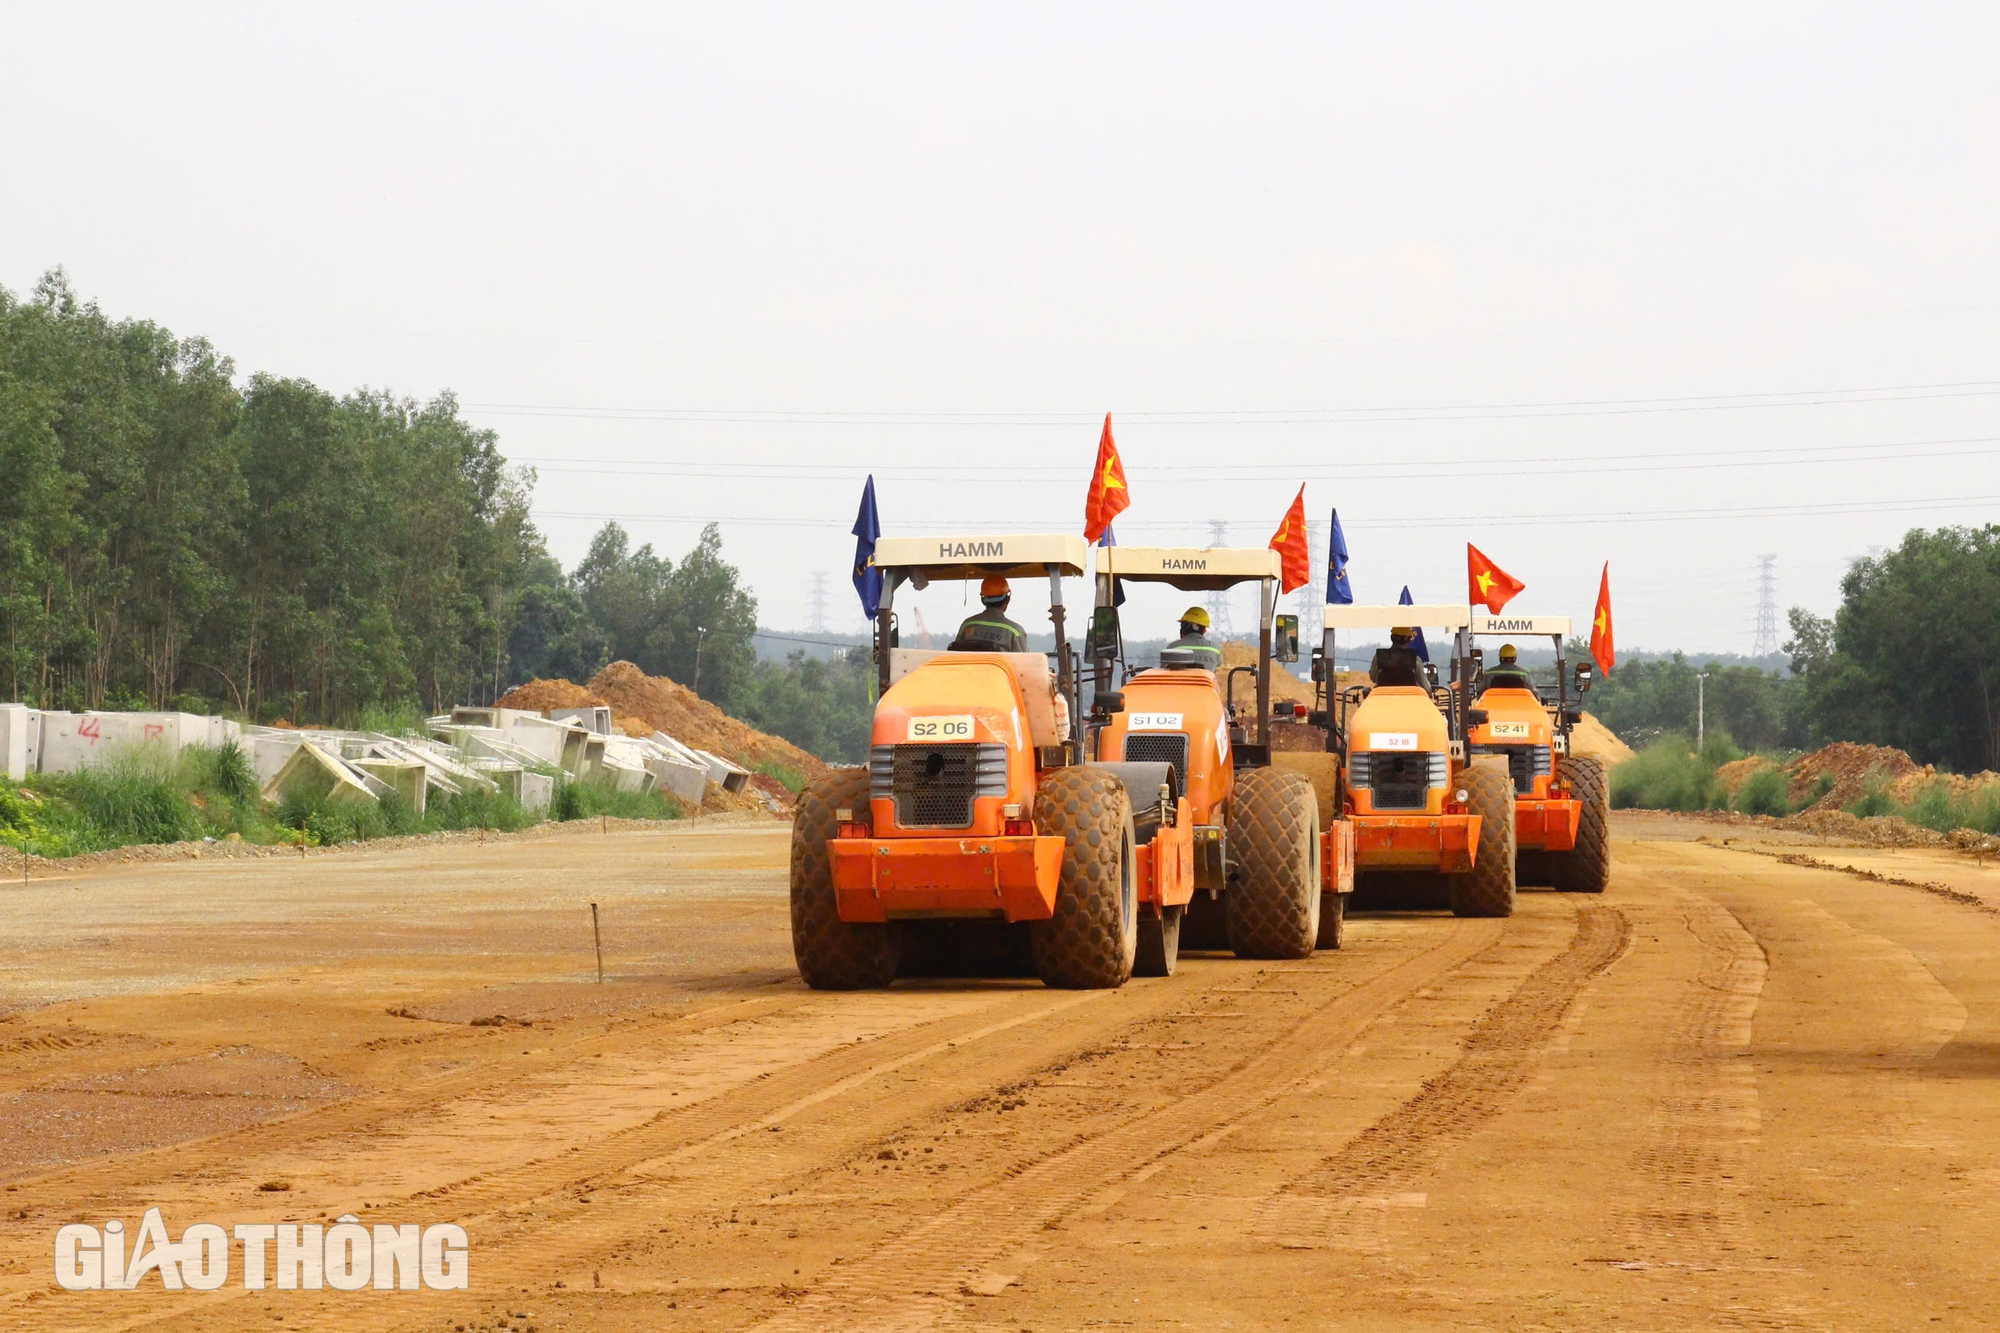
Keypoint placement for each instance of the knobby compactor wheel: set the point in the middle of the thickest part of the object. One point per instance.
(1272, 907)
(1093, 939)
(1489, 889)
(1587, 867)
(832, 954)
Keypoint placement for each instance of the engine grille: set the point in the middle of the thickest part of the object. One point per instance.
(1525, 763)
(1398, 779)
(934, 785)
(1160, 747)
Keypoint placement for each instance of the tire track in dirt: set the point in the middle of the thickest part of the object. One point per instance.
(704, 1128)
(1501, 1053)
(1683, 1206)
(912, 1281)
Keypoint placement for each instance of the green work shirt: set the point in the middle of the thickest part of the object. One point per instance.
(990, 632)
(1205, 653)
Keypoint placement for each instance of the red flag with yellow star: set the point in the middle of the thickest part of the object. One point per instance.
(1289, 541)
(1488, 585)
(1601, 646)
(1108, 493)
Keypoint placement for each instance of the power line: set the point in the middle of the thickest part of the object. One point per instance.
(1205, 474)
(1412, 522)
(1266, 416)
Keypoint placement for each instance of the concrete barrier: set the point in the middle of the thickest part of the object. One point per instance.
(20, 741)
(311, 772)
(406, 777)
(595, 718)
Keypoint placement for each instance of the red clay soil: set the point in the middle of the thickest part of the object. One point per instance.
(1850, 765)
(692, 720)
(541, 696)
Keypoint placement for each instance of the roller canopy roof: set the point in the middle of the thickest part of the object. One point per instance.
(1538, 626)
(1014, 555)
(1446, 616)
(1190, 568)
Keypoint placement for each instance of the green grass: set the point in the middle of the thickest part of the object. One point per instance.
(1670, 775)
(136, 797)
(588, 800)
(793, 780)
(211, 792)
(1874, 799)
(1764, 792)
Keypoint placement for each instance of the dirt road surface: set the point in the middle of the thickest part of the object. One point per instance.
(1732, 1092)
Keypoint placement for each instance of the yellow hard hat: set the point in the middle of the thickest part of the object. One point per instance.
(1402, 632)
(1508, 652)
(1194, 615)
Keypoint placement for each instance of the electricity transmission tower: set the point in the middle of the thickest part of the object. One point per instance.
(816, 604)
(1312, 597)
(1766, 638)
(1218, 601)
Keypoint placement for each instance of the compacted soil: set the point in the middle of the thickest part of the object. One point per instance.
(1750, 1086)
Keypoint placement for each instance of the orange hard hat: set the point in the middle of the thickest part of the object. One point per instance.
(995, 585)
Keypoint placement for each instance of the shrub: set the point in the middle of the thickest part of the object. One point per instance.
(1764, 793)
(1668, 775)
(1874, 799)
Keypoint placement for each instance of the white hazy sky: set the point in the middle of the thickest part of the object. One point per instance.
(1671, 288)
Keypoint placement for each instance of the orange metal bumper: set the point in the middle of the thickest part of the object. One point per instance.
(1166, 867)
(1447, 843)
(1012, 877)
(1546, 825)
(1336, 858)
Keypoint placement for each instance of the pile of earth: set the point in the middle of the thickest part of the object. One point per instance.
(1852, 769)
(641, 705)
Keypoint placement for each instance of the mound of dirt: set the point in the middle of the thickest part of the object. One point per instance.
(1592, 737)
(1285, 687)
(663, 705)
(542, 696)
(1733, 775)
(1850, 765)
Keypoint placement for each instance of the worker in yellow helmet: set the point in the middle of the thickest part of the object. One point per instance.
(990, 631)
(1398, 664)
(1510, 674)
(1194, 639)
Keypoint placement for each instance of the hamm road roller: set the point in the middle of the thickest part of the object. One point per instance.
(982, 837)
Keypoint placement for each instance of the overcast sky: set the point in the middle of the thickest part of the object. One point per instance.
(1672, 290)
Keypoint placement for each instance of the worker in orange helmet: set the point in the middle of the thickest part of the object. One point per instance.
(990, 631)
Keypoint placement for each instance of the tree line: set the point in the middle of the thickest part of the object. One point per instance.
(172, 538)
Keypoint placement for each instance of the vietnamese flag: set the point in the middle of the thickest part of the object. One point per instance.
(1109, 494)
(1601, 646)
(1488, 585)
(1289, 541)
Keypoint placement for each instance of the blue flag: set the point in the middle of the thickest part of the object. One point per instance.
(1339, 592)
(1423, 649)
(867, 527)
(1117, 588)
